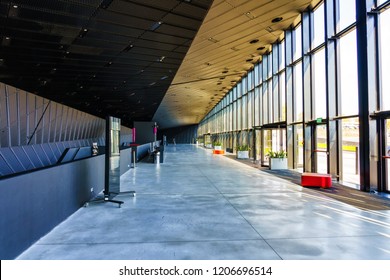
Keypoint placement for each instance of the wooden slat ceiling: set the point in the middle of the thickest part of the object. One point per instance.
(221, 54)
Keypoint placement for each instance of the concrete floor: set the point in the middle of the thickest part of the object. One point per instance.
(197, 205)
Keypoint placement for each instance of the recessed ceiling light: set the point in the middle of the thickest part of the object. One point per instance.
(211, 39)
(277, 19)
(260, 48)
(254, 41)
(249, 15)
(15, 6)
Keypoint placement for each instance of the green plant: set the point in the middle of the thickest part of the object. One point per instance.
(242, 148)
(277, 154)
(217, 143)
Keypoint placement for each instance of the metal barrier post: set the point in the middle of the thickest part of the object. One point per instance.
(357, 160)
(134, 159)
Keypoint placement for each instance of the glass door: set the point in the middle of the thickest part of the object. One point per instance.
(386, 157)
(320, 150)
(350, 152)
(273, 140)
(267, 146)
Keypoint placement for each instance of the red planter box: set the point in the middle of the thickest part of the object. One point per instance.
(316, 180)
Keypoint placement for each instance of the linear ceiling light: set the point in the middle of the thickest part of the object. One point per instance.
(128, 48)
(156, 25)
(83, 32)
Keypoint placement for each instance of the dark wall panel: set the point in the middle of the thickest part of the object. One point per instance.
(32, 204)
(182, 135)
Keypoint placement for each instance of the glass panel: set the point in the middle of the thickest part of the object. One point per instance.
(275, 58)
(257, 104)
(239, 114)
(234, 115)
(319, 85)
(244, 85)
(275, 97)
(269, 73)
(388, 154)
(321, 149)
(350, 144)
(385, 58)
(347, 13)
(264, 65)
(250, 80)
(282, 86)
(250, 110)
(348, 74)
(267, 146)
(282, 55)
(274, 140)
(258, 146)
(265, 103)
(257, 74)
(244, 112)
(298, 42)
(298, 93)
(319, 26)
(298, 146)
(270, 102)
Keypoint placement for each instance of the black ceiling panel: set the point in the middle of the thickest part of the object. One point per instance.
(100, 56)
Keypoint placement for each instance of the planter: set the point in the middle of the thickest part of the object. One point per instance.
(209, 146)
(217, 148)
(277, 163)
(242, 154)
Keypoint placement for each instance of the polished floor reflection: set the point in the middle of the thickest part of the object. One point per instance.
(197, 205)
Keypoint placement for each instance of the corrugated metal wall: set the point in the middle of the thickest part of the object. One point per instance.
(27, 119)
(34, 131)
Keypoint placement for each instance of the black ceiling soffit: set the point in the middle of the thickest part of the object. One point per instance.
(104, 57)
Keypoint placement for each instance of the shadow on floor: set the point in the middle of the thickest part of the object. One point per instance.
(356, 198)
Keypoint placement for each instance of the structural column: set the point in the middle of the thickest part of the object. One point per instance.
(331, 49)
(367, 74)
(309, 165)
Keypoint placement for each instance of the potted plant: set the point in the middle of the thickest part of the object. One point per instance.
(208, 145)
(217, 145)
(277, 160)
(242, 151)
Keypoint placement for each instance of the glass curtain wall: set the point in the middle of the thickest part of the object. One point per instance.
(309, 80)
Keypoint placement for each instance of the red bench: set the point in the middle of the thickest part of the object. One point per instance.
(316, 180)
